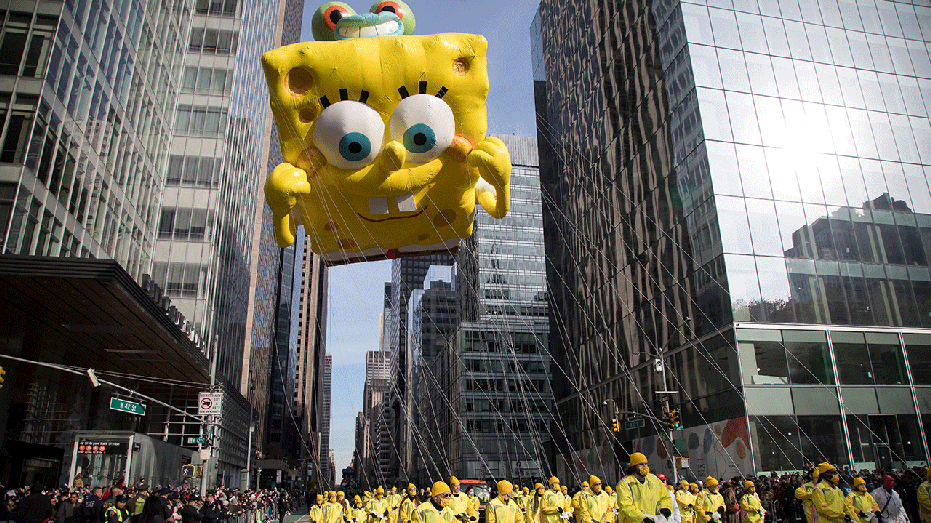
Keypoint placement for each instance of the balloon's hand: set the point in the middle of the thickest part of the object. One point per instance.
(490, 163)
(281, 192)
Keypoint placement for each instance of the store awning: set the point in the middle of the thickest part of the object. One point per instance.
(91, 314)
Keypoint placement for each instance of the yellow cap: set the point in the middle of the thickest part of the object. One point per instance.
(453, 480)
(537, 486)
(824, 467)
(593, 479)
(684, 483)
(748, 484)
(505, 487)
(357, 499)
(637, 459)
(710, 482)
(380, 490)
(585, 484)
(331, 494)
(564, 489)
(554, 480)
(439, 488)
(693, 486)
(858, 481)
(526, 490)
(608, 489)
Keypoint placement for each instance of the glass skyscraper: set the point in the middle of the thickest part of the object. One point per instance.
(739, 189)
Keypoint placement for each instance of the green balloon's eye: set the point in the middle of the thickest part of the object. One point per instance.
(326, 17)
(399, 8)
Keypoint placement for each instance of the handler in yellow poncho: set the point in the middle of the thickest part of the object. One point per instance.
(356, 514)
(751, 504)
(409, 505)
(612, 501)
(436, 510)
(378, 507)
(503, 509)
(860, 503)
(641, 494)
(803, 493)
(827, 498)
(575, 500)
(924, 498)
(316, 511)
(570, 509)
(460, 503)
(594, 504)
(686, 501)
(553, 505)
(332, 509)
(394, 504)
(712, 507)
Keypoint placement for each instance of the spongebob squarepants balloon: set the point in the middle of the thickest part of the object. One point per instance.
(383, 137)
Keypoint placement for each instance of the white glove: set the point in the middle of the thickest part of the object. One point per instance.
(659, 518)
(564, 515)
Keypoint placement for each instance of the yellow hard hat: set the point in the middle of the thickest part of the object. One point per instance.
(439, 488)
(411, 486)
(526, 490)
(537, 486)
(554, 480)
(684, 483)
(585, 484)
(357, 499)
(710, 482)
(637, 459)
(505, 487)
(824, 467)
(319, 497)
(380, 490)
(564, 489)
(331, 494)
(453, 480)
(693, 486)
(858, 481)
(748, 484)
(593, 479)
(608, 489)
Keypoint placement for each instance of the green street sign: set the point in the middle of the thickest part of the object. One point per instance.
(194, 441)
(633, 424)
(127, 406)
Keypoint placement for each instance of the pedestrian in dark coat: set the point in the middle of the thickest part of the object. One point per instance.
(36, 507)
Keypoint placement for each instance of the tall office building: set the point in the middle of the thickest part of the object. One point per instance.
(375, 399)
(326, 463)
(500, 366)
(433, 320)
(406, 275)
(739, 190)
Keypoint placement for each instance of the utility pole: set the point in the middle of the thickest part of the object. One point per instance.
(211, 424)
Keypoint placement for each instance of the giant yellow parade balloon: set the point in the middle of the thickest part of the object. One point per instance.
(383, 137)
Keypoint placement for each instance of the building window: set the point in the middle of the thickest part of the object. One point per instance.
(198, 120)
(213, 41)
(181, 280)
(181, 224)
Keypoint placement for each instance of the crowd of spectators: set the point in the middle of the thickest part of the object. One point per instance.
(777, 492)
(120, 503)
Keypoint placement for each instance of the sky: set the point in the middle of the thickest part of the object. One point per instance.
(357, 291)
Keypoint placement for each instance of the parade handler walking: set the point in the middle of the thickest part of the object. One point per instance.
(641, 496)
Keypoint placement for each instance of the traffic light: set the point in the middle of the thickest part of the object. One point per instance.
(2, 372)
(188, 471)
(674, 421)
(615, 425)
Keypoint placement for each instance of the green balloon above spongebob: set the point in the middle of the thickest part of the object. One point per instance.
(337, 21)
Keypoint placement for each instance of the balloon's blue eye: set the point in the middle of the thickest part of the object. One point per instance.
(354, 147)
(419, 138)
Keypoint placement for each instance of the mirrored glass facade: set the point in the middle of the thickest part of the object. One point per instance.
(713, 165)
